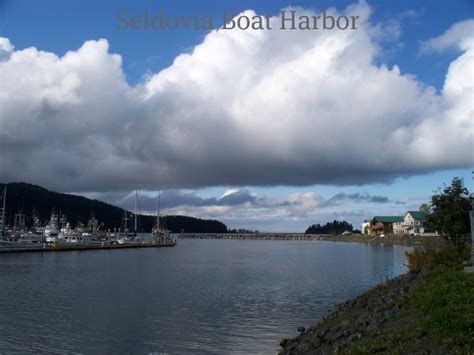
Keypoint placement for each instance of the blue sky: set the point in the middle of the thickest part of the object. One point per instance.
(62, 26)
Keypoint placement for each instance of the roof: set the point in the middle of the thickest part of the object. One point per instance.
(416, 214)
(389, 219)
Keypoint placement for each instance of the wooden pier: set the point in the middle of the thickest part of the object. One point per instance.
(82, 247)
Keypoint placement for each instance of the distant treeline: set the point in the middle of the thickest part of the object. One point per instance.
(334, 227)
(31, 199)
(242, 231)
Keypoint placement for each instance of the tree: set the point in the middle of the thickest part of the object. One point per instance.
(450, 213)
(335, 226)
(425, 208)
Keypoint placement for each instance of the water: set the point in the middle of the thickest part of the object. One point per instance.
(213, 296)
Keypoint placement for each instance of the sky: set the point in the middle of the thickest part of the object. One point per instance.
(263, 129)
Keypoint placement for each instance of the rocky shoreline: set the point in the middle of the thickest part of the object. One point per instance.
(376, 317)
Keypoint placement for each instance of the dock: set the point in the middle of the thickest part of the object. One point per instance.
(82, 247)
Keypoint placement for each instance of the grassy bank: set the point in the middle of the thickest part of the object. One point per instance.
(421, 312)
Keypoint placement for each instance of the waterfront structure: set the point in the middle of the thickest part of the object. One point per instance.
(384, 224)
(413, 222)
(365, 227)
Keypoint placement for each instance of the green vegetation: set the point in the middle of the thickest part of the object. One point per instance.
(450, 213)
(431, 256)
(334, 227)
(445, 307)
(437, 317)
(29, 198)
(429, 310)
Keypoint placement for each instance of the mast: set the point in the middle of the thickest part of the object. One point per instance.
(136, 211)
(158, 216)
(3, 208)
(125, 221)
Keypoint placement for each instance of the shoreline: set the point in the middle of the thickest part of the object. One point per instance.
(388, 240)
(354, 238)
(412, 313)
(353, 322)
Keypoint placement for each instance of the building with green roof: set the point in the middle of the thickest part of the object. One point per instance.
(385, 224)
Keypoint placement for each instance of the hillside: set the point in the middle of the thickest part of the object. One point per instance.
(27, 197)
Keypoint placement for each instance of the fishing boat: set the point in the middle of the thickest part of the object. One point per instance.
(51, 230)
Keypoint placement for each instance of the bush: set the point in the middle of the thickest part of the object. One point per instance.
(428, 258)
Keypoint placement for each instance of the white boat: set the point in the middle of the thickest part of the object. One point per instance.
(51, 231)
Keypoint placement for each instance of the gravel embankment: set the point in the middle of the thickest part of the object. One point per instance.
(376, 316)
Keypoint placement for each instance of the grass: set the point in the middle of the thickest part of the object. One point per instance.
(445, 304)
(438, 317)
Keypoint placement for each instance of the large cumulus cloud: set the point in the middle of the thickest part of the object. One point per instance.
(243, 108)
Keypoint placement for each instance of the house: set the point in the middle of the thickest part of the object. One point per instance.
(385, 224)
(365, 227)
(413, 222)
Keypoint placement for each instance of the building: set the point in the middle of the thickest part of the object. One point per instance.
(365, 227)
(414, 222)
(385, 224)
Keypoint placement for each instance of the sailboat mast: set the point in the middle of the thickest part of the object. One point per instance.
(158, 216)
(3, 209)
(136, 211)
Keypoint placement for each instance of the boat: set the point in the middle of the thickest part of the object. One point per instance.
(160, 234)
(51, 231)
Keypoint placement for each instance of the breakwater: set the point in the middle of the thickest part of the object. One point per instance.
(432, 240)
(251, 236)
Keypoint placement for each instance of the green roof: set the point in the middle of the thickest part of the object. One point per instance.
(388, 219)
(417, 214)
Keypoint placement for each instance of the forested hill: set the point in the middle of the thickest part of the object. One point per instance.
(27, 197)
(335, 227)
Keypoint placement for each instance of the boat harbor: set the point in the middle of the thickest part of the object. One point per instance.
(57, 234)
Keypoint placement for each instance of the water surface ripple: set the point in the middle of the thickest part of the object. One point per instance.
(213, 296)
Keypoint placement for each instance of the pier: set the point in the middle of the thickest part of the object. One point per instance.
(81, 247)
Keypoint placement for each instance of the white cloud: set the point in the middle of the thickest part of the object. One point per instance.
(6, 48)
(459, 36)
(243, 108)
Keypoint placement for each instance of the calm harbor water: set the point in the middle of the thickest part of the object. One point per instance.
(213, 296)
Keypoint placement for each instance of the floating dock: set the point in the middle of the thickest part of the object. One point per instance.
(76, 247)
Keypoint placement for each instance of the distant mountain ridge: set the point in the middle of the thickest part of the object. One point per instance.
(28, 198)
